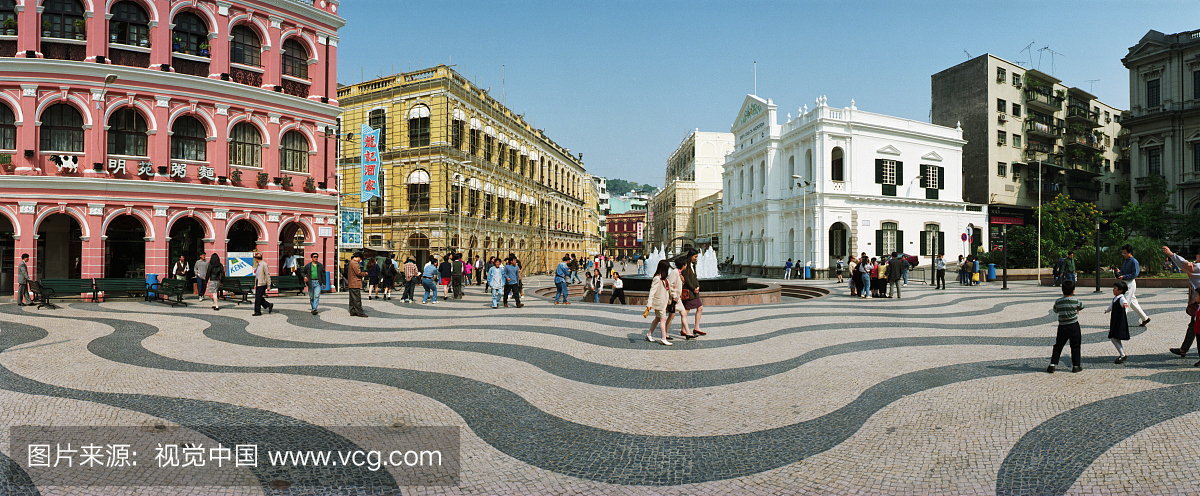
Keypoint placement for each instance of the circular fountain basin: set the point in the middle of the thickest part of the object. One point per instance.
(719, 283)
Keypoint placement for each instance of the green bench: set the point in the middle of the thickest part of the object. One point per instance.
(238, 286)
(288, 283)
(114, 287)
(168, 288)
(46, 290)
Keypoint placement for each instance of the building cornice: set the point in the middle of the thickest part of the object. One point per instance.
(310, 13)
(66, 72)
(54, 186)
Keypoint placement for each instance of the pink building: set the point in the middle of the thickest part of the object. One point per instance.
(135, 131)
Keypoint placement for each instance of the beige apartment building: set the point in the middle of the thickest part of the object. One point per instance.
(694, 171)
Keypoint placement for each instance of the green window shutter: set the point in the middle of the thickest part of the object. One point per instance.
(941, 173)
(889, 190)
(924, 243)
(878, 171)
(899, 242)
(941, 243)
(879, 243)
(931, 194)
(899, 173)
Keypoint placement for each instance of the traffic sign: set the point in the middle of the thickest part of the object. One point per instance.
(964, 237)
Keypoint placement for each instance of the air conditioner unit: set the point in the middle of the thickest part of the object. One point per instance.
(1003, 117)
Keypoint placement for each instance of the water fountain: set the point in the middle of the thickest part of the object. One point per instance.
(717, 289)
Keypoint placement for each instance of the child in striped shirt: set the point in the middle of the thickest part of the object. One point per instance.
(1067, 308)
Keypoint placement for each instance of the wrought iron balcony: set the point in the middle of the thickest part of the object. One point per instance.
(1043, 99)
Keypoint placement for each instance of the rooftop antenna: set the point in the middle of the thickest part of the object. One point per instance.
(503, 91)
(968, 54)
(1052, 54)
(1027, 52)
(755, 77)
(1091, 83)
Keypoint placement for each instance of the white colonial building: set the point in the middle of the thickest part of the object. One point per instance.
(867, 183)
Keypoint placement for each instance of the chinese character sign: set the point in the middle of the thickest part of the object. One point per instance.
(640, 229)
(370, 163)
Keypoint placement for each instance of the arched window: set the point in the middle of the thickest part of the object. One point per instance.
(61, 17)
(294, 152)
(246, 145)
(245, 48)
(188, 139)
(127, 133)
(378, 120)
(418, 126)
(418, 191)
(792, 172)
(839, 171)
(189, 34)
(295, 59)
(129, 24)
(8, 128)
(62, 129)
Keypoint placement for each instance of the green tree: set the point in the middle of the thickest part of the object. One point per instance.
(1067, 224)
(1151, 217)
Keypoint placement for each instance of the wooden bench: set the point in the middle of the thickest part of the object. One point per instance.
(163, 291)
(47, 289)
(288, 283)
(234, 285)
(114, 287)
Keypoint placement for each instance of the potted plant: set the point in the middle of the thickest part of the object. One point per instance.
(145, 42)
(10, 26)
(204, 49)
(45, 29)
(175, 46)
(80, 25)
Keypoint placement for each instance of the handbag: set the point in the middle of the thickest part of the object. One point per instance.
(1191, 308)
(686, 295)
(975, 276)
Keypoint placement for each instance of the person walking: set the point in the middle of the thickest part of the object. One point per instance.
(314, 280)
(495, 281)
(1129, 272)
(641, 266)
(387, 276)
(216, 275)
(939, 278)
(444, 275)
(1067, 308)
(23, 281)
(411, 277)
(1118, 323)
(597, 284)
(662, 301)
(561, 275)
(618, 289)
(1182, 265)
(200, 269)
(180, 270)
(689, 294)
(456, 276)
(839, 268)
(429, 280)
(574, 266)
(478, 271)
(354, 282)
(372, 277)
(468, 268)
(262, 281)
(787, 270)
(895, 276)
(512, 282)
(904, 266)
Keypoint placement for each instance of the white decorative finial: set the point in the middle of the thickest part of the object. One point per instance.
(806, 108)
(852, 107)
(958, 126)
(789, 117)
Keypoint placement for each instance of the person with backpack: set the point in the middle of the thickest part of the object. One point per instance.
(388, 273)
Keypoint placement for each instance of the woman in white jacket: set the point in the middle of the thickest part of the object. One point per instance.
(663, 297)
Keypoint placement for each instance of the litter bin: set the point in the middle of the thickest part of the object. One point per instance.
(151, 279)
(807, 272)
(991, 272)
(328, 286)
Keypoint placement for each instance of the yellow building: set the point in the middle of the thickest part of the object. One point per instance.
(706, 216)
(461, 172)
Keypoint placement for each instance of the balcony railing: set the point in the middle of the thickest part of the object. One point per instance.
(249, 78)
(192, 67)
(295, 88)
(1088, 140)
(1039, 126)
(1038, 147)
(129, 58)
(1043, 99)
(63, 51)
(1082, 114)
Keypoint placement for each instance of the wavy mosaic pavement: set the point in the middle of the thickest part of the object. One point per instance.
(996, 337)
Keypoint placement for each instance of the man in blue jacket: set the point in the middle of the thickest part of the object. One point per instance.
(512, 281)
(561, 275)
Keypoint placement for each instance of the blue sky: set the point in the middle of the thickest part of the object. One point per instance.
(623, 82)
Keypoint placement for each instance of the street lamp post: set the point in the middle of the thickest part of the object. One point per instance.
(803, 221)
(1004, 234)
(1097, 253)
